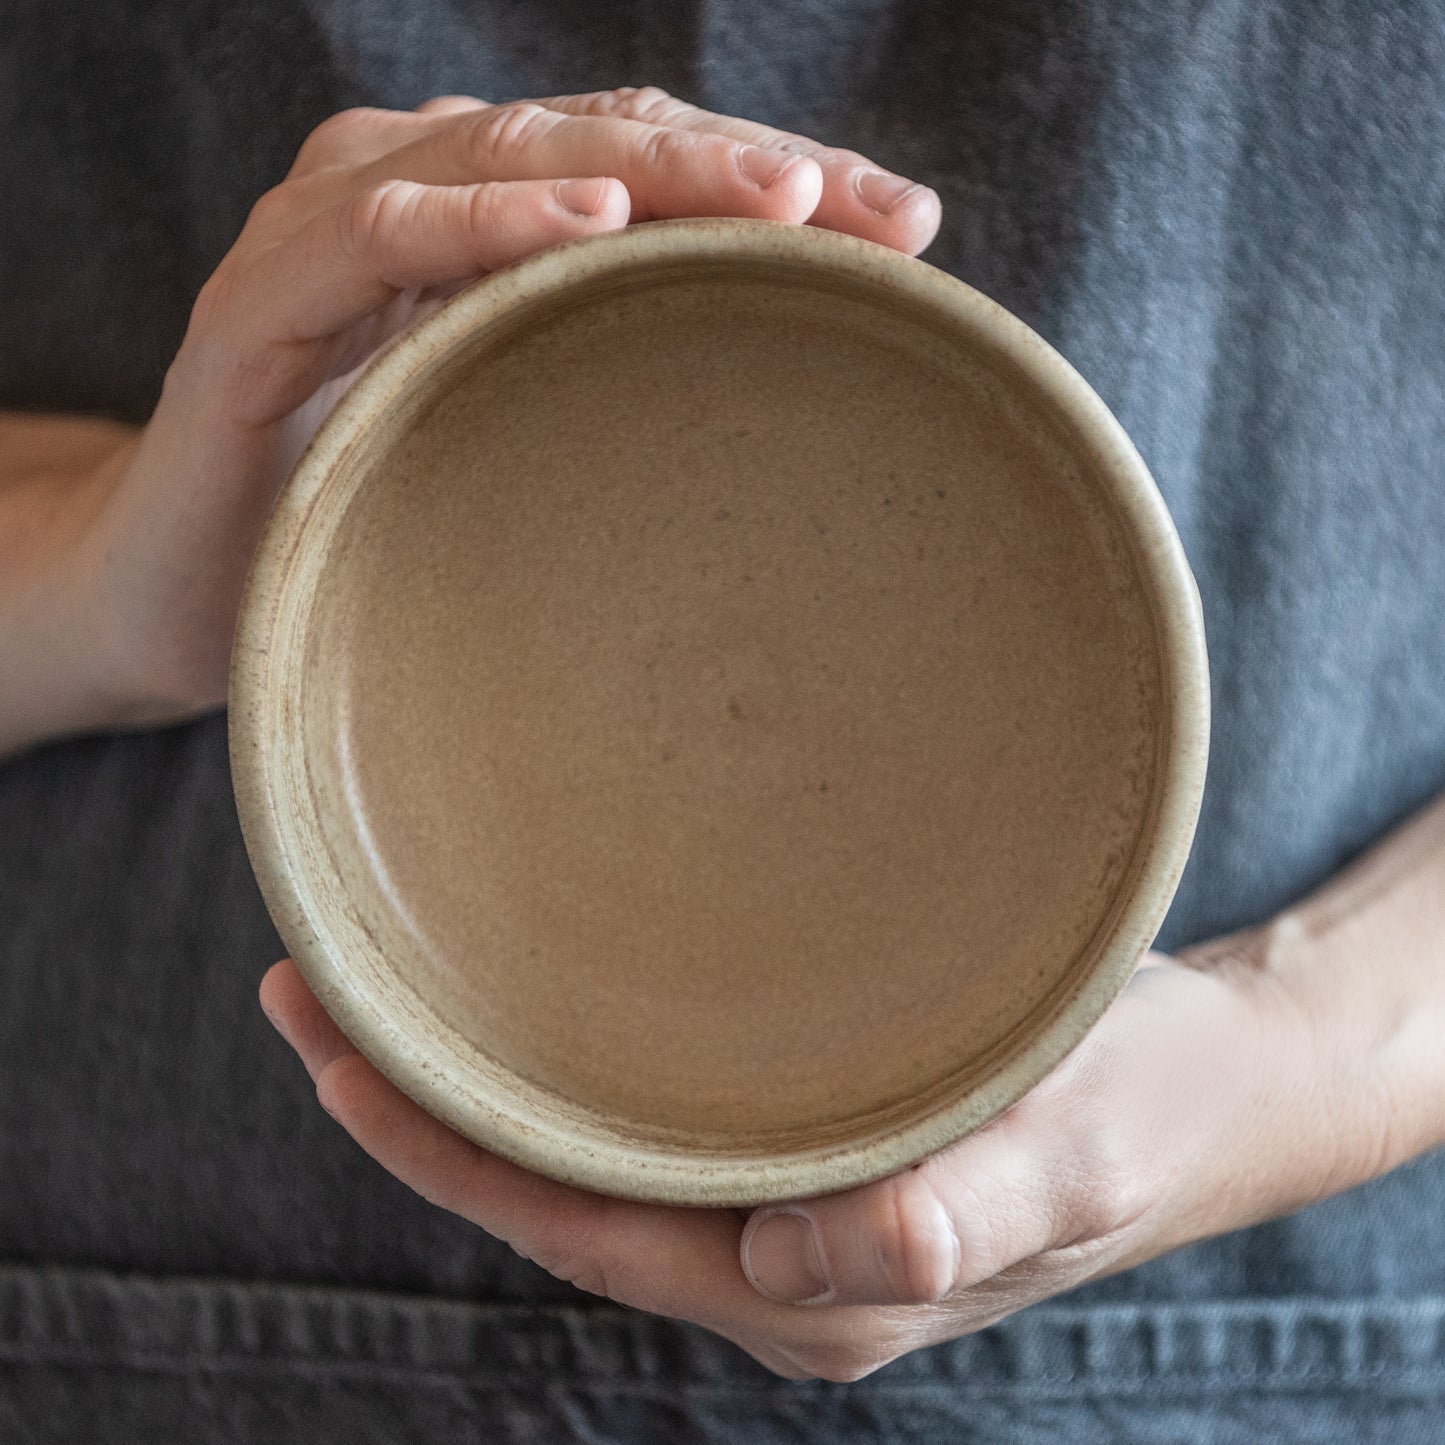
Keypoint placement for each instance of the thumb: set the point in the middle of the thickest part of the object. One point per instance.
(1079, 1159)
(926, 1234)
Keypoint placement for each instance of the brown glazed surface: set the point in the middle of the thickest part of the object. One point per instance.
(731, 704)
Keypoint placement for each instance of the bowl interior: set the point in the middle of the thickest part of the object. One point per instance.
(716, 718)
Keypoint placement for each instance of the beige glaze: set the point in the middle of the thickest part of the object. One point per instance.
(731, 710)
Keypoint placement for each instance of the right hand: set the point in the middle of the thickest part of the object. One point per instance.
(383, 214)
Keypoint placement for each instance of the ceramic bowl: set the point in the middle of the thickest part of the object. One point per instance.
(718, 712)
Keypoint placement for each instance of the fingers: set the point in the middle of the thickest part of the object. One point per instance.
(667, 171)
(397, 206)
(668, 1261)
(300, 1020)
(675, 159)
(254, 317)
(858, 196)
(679, 1262)
(682, 1263)
(915, 1238)
(1076, 1180)
(400, 235)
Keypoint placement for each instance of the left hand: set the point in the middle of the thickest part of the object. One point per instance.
(1192, 1108)
(123, 552)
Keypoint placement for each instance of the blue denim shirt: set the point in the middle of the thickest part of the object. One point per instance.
(1227, 214)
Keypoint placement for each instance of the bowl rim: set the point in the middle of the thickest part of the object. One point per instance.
(305, 907)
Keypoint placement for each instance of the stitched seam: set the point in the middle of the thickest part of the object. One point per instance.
(1277, 1382)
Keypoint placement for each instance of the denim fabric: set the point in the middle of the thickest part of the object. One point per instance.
(1227, 214)
(88, 1358)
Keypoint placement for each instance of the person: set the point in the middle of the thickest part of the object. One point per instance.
(1227, 216)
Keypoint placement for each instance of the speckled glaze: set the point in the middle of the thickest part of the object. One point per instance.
(718, 712)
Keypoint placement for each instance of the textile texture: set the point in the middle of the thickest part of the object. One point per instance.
(1226, 214)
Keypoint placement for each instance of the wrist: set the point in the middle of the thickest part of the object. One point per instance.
(1369, 1021)
(52, 652)
(1242, 1131)
(1349, 983)
(168, 557)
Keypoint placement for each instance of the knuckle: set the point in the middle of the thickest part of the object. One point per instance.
(346, 123)
(483, 212)
(587, 1275)
(621, 100)
(1104, 1191)
(369, 221)
(575, 1267)
(501, 129)
(664, 149)
(213, 302)
(916, 1242)
(842, 1362)
(335, 134)
(578, 1250)
(271, 207)
(784, 1369)
(646, 103)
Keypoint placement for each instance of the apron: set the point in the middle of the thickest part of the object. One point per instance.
(1227, 214)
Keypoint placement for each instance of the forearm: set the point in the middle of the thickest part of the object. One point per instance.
(55, 473)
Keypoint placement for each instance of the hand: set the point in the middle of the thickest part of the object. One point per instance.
(128, 616)
(1197, 1105)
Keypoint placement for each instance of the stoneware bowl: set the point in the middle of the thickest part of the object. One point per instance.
(719, 711)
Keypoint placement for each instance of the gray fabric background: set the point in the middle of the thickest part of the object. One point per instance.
(1227, 215)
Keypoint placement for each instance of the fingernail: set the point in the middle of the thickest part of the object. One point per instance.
(762, 167)
(883, 193)
(784, 1259)
(583, 197)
